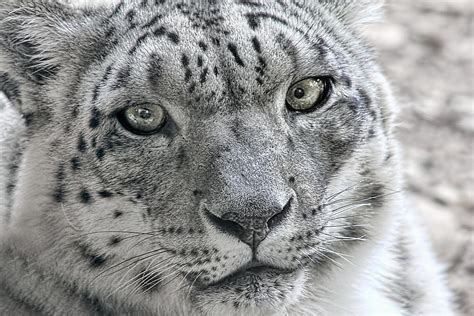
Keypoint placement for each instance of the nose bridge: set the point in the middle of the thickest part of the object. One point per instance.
(246, 195)
(246, 170)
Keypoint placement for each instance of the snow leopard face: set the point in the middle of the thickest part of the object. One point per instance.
(215, 151)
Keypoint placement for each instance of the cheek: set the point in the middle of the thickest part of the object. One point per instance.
(110, 213)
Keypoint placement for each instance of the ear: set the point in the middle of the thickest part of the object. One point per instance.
(34, 37)
(356, 12)
(37, 38)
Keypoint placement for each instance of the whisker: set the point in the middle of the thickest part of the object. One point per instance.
(162, 269)
(349, 216)
(351, 187)
(115, 232)
(361, 200)
(347, 208)
(361, 238)
(342, 256)
(192, 284)
(142, 256)
(184, 278)
(67, 219)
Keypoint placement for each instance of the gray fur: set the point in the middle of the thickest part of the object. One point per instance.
(107, 222)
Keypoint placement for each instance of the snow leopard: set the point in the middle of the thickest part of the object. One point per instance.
(212, 157)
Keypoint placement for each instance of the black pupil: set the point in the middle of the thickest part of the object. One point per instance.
(144, 113)
(299, 93)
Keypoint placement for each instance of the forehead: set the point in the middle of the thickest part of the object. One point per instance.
(197, 51)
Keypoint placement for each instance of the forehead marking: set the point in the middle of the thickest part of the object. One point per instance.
(122, 78)
(152, 22)
(95, 118)
(59, 191)
(138, 43)
(84, 196)
(81, 144)
(130, 16)
(233, 49)
(253, 19)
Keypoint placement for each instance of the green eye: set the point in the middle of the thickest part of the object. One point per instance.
(307, 94)
(142, 119)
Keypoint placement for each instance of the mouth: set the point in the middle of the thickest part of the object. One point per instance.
(254, 285)
(253, 272)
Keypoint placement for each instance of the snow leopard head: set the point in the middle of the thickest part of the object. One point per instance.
(215, 151)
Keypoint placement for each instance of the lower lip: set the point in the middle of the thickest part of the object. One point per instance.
(261, 271)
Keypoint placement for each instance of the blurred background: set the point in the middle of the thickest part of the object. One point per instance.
(426, 49)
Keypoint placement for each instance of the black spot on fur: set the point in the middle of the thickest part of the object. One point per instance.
(94, 121)
(117, 213)
(95, 260)
(185, 61)
(371, 133)
(262, 66)
(100, 153)
(346, 81)
(192, 87)
(152, 22)
(203, 75)
(95, 93)
(253, 19)
(235, 53)
(138, 43)
(187, 75)
(81, 144)
(256, 45)
(250, 3)
(173, 37)
(75, 163)
(154, 68)
(85, 197)
(115, 240)
(122, 78)
(110, 31)
(105, 194)
(116, 10)
(130, 16)
(160, 31)
(203, 46)
(215, 41)
(59, 191)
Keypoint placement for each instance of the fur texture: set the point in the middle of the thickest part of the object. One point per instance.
(97, 220)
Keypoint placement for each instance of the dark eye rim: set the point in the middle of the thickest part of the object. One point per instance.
(120, 115)
(328, 88)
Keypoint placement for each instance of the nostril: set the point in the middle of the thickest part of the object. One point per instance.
(276, 219)
(225, 226)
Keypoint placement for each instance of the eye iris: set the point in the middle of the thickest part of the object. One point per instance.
(299, 93)
(308, 94)
(143, 119)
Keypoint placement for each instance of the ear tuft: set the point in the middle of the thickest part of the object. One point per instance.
(356, 12)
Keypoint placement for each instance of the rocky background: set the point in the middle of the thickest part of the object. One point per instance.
(426, 49)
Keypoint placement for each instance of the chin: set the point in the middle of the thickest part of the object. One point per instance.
(252, 291)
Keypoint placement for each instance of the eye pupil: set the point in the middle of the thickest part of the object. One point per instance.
(144, 113)
(299, 93)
